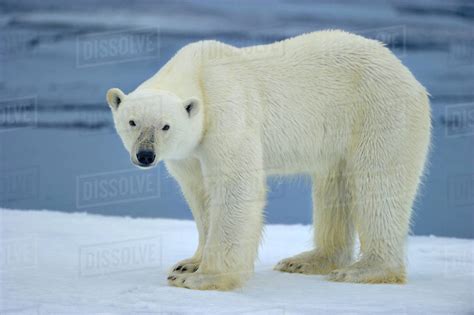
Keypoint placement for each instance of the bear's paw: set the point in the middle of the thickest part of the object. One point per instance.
(361, 272)
(311, 263)
(201, 281)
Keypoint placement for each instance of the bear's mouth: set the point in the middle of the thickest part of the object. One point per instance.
(144, 166)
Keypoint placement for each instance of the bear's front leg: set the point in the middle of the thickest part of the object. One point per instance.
(189, 176)
(235, 181)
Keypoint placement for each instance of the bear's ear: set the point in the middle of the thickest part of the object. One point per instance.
(114, 97)
(191, 106)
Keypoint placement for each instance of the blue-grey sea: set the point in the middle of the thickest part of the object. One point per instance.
(58, 148)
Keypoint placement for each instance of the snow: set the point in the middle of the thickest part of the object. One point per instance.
(63, 263)
(40, 46)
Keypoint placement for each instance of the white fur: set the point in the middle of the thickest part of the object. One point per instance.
(330, 104)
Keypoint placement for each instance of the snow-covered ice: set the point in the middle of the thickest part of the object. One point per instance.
(58, 263)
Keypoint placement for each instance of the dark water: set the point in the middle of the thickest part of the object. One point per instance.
(58, 149)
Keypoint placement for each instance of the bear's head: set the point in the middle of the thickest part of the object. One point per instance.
(156, 125)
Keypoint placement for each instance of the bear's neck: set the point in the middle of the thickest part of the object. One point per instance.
(182, 74)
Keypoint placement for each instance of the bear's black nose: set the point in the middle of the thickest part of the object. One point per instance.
(146, 157)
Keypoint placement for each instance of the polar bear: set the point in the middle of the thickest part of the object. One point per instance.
(333, 105)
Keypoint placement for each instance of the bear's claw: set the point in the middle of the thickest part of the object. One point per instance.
(185, 266)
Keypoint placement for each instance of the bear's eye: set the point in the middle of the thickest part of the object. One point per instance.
(132, 123)
(165, 127)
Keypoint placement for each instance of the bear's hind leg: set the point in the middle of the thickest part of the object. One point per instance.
(333, 228)
(382, 207)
